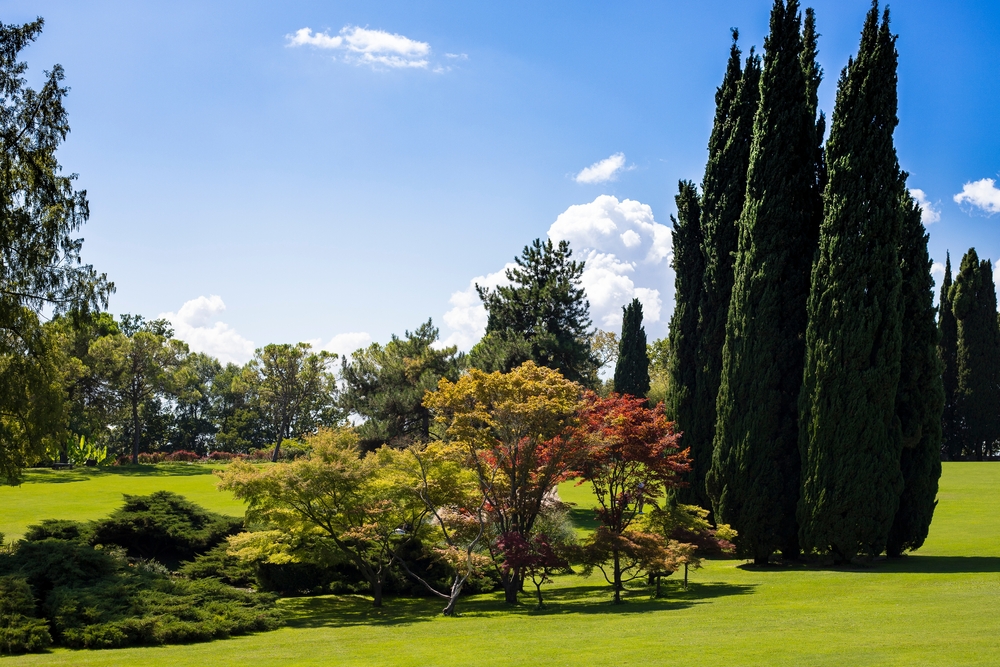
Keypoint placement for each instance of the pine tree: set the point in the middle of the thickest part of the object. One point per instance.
(974, 302)
(849, 434)
(951, 448)
(920, 395)
(723, 192)
(754, 476)
(632, 368)
(689, 270)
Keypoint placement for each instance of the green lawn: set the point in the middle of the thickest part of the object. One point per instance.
(938, 607)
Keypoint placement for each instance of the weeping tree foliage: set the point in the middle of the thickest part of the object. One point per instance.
(920, 395)
(951, 448)
(723, 193)
(632, 368)
(974, 302)
(754, 477)
(850, 434)
(689, 269)
(39, 257)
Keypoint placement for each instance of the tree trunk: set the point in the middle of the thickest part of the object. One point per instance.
(135, 432)
(617, 578)
(277, 448)
(511, 585)
(685, 576)
(377, 592)
(538, 590)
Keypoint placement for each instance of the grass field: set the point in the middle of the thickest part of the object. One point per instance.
(937, 607)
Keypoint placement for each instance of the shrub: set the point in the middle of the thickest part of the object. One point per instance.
(182, 455)
(217, 563)
(147, 458)
(222, 457)
(164, 526)
(20, 631)
(58, 529)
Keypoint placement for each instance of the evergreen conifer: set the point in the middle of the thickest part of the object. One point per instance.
(723, 192)
(974, 302)
(951, 448)
(920, 395)
(689, 270)
(849, 433)
(754, 476)
(632, 368)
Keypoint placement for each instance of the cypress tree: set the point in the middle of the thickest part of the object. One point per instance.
(849, 433)
(920, 395)
(974, 302)
(754, 476)
(951, 448)
(723, 192)
(632, 368)
(689, 270)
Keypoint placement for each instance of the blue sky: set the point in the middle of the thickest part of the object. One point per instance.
(349, 183)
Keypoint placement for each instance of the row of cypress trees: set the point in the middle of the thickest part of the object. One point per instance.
(970, 351)
(804, 372)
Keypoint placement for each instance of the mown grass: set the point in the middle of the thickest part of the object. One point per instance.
(937, 607)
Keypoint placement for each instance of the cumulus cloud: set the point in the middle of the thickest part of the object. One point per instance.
(376, 48)
(603, 171)
(627, 255)
(346, 343)
(982, 194)
(467, 316)
(194, 323)
(929, 213)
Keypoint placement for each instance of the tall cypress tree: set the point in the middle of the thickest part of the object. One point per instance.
(920, 395)
(723, 193)
(849, 434)
(754, 477)
(974, 302)
(951, 448)
(689, 270)
(632, 368)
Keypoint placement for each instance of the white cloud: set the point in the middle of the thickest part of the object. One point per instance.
(458, 56)
(603, 171)
(193, 324)
(627, 255)
(345, 343)
(376, 48)
(467, 316)
(929, 214)
(982, 194)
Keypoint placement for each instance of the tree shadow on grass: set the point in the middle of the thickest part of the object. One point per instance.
(911, 563)
(584, 518)
(348, 611)
(46, 476)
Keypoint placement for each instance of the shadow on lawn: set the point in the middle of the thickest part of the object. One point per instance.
(346, 611)
(46, 476)
(914, 564)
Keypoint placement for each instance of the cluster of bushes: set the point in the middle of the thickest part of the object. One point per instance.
(114, 582)
(286, 453)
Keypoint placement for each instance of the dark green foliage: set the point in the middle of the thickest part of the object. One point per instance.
(385, 385)
(977, 407)
(920, 396)
(58, 529)
(217, 563)
(164, 526)
(544, 306)
(754, 477)
(97, 597)
(724, 191)
(632, 369)
(689, 272)
(20, 630)
(951, 448)
(850, 434)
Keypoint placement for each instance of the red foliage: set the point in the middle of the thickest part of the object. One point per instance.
(182, 455)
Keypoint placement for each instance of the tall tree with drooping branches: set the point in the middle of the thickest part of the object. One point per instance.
(754, 477)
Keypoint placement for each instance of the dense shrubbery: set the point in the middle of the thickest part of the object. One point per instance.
(98, 585)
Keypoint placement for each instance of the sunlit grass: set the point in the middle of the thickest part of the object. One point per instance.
(937, 607)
